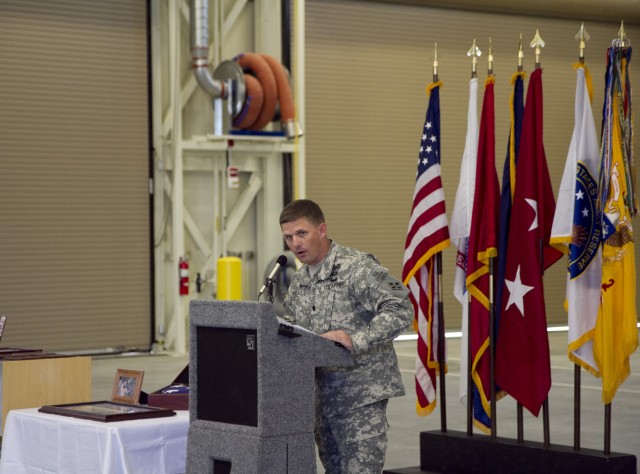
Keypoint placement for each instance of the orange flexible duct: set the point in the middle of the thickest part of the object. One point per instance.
(254, 100)
(285, 97)
(254, 63)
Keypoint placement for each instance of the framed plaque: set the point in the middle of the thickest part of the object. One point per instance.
(106, 411)
(7, 351)
(21, 355)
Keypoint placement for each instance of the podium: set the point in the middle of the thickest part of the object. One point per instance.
(252, 389)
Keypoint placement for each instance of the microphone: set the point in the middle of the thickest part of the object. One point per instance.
(281, 262)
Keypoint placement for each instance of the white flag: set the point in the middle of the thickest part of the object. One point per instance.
(460, 225)
(576, 229)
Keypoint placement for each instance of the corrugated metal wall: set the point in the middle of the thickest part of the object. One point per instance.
(74, 154)
(367, 66)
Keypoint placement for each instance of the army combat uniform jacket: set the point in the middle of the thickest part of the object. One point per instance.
(354, 293)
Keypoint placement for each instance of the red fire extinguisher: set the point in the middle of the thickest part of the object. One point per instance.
(183, 271)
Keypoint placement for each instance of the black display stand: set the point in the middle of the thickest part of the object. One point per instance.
(455, 452)
(252, 390)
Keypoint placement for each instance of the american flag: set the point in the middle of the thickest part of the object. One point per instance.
(428, 234)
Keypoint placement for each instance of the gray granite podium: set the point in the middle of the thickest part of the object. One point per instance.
(252, 390)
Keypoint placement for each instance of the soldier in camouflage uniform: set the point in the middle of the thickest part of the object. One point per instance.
(346, 296)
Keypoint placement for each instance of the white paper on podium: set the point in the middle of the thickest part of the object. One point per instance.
(295, 327)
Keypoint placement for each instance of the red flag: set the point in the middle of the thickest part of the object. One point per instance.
(523, 367)
(483, 239)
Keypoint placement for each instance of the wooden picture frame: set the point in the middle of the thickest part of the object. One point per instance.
(127, 386)
(106, 411)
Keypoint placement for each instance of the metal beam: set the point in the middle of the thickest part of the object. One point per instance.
(242, 206)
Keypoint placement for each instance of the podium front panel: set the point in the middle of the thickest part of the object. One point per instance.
(227, 372)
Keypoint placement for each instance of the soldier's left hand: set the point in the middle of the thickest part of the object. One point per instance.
(340, 337)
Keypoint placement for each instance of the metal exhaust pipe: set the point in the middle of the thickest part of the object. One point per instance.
(200, 50)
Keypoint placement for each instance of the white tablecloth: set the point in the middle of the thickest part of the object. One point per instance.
(39, 443)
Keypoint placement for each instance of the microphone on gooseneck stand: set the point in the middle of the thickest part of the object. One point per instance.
(280, 263)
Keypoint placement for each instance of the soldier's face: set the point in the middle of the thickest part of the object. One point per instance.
(308, 242)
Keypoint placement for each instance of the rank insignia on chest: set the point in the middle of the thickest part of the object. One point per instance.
(334, 272)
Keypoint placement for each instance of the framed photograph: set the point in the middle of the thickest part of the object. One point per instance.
(106, 411)
(126, 386)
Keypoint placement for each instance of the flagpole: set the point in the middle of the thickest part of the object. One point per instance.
(492, 315)
(538, 43)
(474, 52)
(622, 36)
(620, 43)
(582, 37)
(435, 63)
(441, 336)
(441, 339)
(519, 412)
(520, 55)
(576, 406)
(623, 44)
(545, 404)
(469, 378)
(520, 69)
(607, 429)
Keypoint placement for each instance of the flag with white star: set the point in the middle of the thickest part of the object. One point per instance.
(576, 228)
(427, 234)
(523, 367)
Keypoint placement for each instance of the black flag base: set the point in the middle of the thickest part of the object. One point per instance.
(456, 452)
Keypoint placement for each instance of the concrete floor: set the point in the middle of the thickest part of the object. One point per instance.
(404, 450)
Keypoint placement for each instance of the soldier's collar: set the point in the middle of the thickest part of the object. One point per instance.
(328, 268)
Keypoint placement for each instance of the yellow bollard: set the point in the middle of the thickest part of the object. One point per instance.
(229, 278)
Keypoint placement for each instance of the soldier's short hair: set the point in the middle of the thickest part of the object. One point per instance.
(302, 208)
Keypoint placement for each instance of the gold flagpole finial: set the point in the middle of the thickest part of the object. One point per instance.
(490, 58)
(435, 63)
(622, 36)
(538, 44)
(582, 37)
(520, 55)
(475, 53)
